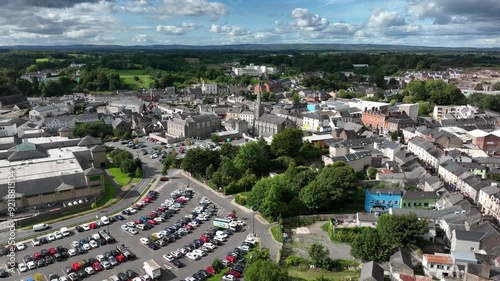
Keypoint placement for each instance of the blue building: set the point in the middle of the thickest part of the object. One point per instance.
(381, 199)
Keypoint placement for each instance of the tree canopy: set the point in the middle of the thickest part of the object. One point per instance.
(287, 142)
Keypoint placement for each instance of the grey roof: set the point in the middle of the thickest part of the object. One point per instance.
(469, 235)
(371, 271)
(420, 142)
(80, 117)
(46, 108)
(93, 171)
(64, 186)
(366, 217)
(11, 121)
(389, 144)
(46, 185)
(401, 262)
(98, 148)
(351, 142)
(272, 119)
(89, 141)
(352, 157)
(420, 195)
(65, 129)
(26, 151)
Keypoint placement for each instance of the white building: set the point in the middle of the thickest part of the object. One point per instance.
(209, 89)
(8, 127)
(254, 70)
(438, 265)
(54, 123)
(456, 111)
(46, 111)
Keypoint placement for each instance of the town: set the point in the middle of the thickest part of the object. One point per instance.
(349, 174)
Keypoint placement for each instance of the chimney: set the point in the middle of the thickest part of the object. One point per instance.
(366, 109)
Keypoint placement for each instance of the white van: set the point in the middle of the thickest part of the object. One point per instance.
(105, 220)
(42, 226)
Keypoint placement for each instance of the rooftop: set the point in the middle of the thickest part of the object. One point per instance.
(439, 258)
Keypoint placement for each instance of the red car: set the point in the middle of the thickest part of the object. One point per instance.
(210, 270)
(153, 214)
(37, 256)
(76, 266)
(146, 200)
(138, 206)
(150, 197)
(163, 179)
(161, 209)
(204, 239)
(231, 215)
(231, 259)
(234, 273)
(180, 200)
(93, 225)
(121, 258)
(188, 226)
(52, 251)
(97, 266)
(137, 221)
(153, 222)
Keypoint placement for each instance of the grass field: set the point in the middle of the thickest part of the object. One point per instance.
(47, 59)
(275, 230)
(311, 274)
(109, 192)
(127, 77)
(120, 178)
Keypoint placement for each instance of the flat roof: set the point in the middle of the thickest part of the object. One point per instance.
(59, 162)
(318, 137)
(41, 140)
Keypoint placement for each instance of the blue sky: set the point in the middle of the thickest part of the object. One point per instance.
(449, 23)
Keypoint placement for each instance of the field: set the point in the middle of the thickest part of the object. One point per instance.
(47, 59)
(120, 178)
(127, 76)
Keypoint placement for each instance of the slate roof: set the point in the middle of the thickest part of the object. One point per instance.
(371, 271)
(65, 129)
(12, 100)
(93, 172)
(97, 148)
(401, 262)
(46, 185)
(11, 121)
(420, 195)
(89, 141)
(475, 236)
(66, 118)
(272, 119)
(352, 157)
(420, 142)
(46, 108)
(26, 151)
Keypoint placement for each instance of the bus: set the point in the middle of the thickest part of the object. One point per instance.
(222, 223)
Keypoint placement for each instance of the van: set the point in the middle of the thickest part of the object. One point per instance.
(42, 226)
(105, 220)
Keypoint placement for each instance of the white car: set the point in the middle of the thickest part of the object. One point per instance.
(31, 265)
(241, 223)
(72, 252)
(89, 270)
(35, 242)
(192, 256)
(210, 245)
(124, 227)
(22, 267)
(63, 278)
(132, 210)
(194, 224)
(251, 241)
(133, 231)
(85, 227)
(168, 257)
(106, 264)
(86, 247)
(140, 226)
(219, 238)
(229, 277)
(202, 217)
(244, 248)
(51, 237)
(58, 235)
(144, 240)
(20, 246)
(75, 244)
(130, 224)
(158, 219)
(100, 258)
(93, 244)
(159, 234)
(199, 252)
(221, 234)
(137, 279)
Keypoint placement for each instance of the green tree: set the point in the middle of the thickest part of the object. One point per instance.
(424, 108)
(197, 160)
(320, 256)
(394, 136)
(209, 172)
(333, 184)
(226, 173)
(369, 246)
(401, 230)
(217, 265)
(138, 173)
(229, 150)
(251, 156)
(259, 254)
(295, 98)
(478, 87)
(372, 173)
(265, 270)
(215, 138)
(287, 142)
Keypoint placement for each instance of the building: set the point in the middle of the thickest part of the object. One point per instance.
(50, 170)
(193, 125)
(382, 199)
(55, 123)
(358, 161)
(9, 127)
(209, 89)
(454, 111)
(419, 199)
(488, 142)
(46, 111)
(371, 271)
(14, 102)
(366, 220)
(427, 152)
(254, 70)
(466, 241)
(317, 121)
(438, 265)
(269, 124)
(489, 200)
(400, 264)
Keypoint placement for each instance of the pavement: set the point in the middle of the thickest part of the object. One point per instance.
(152, 169)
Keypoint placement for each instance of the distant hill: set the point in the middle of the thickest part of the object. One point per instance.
(253, 47)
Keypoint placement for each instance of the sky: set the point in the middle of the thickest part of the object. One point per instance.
(443, 23)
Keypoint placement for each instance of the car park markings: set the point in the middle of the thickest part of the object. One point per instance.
(169, 268)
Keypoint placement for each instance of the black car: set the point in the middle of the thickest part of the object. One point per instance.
(27, 259)
(114, 253)
(119, 217)
(198, 277)
(92, 260)
(82, 274)
(102, 242)
(68, 269)
(205, 273)
(131, 274)
(49, 260)
(112, 219)
(107, 254)
(122, 276)
(44, 253)
(79, 251)
(52, 276)
(148, 217)
(61, 249)
(148, 226)
(4, 273)
(177, 263)
(41, 263)
(79, 229)
(3, 251)
(153, 246)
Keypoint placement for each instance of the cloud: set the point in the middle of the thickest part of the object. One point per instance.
(213, 10)
(176, 30)
(384, 19)
(446, 11)
(229, 30)
(141, 38)
(307, 21)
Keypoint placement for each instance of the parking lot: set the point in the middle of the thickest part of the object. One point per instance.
(142, 252)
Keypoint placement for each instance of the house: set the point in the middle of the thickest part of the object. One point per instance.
(388, 148)
(269, 124)
(400, 263)
(447, 140)
(316, 121)
(121, 124)
(382, 199)
(488, 142)
(57, 122)
(427, 152)
(14, 102)
(193, 125)
(419, 199)
(366, 219)
(46, 111)
(438, 265)
(371, 271)
(9, 127)
(462, 240)
(344, 147)
(489, 200)
(397, 122)
(481, 272)
(358, 161)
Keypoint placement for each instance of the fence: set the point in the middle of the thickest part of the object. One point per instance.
(319, 217)
(53, 213)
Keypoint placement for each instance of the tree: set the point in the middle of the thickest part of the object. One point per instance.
(259, 254)
(394, 136)
(197, 160)
(164, 169)
(295, 98)
(372, 173)
(215, 138)
(138, 173)
(287, 142)
(265, 270)
(229, 150)
(478, 87)
(251, 156)
(333, 184)
(226, 173)
(368, 245)
(401, 230)
(320, 256)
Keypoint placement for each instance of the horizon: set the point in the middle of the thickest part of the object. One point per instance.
(422, 23)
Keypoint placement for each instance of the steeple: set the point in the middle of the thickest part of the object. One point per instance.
(258, 110)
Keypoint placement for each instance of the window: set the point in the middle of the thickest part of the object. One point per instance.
(383, 202)
(439, 266)
(378, 193)
(372, 201)
(95, 178)
(426, 204)
(472, 249)
(396, 202)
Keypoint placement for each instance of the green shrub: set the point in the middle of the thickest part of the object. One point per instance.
(296, 261)
(342, 265)
(241, 199)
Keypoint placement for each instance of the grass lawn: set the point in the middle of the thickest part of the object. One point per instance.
(311, 274)
(120, 178)
(275, 230)
(127, 77)
(136, 180)
(109, 192)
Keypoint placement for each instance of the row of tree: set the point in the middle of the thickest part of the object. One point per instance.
(94, 129)
(124, 160)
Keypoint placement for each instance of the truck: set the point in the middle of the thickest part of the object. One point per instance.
(152, 269)
(106, 236)
(65, 232)
(222, 223)
(39, 227)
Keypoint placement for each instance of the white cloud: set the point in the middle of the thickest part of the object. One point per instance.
(307, 21)
(176, 30)
(141, 38)
(213, 10)
(229, 30)
(383, 19)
